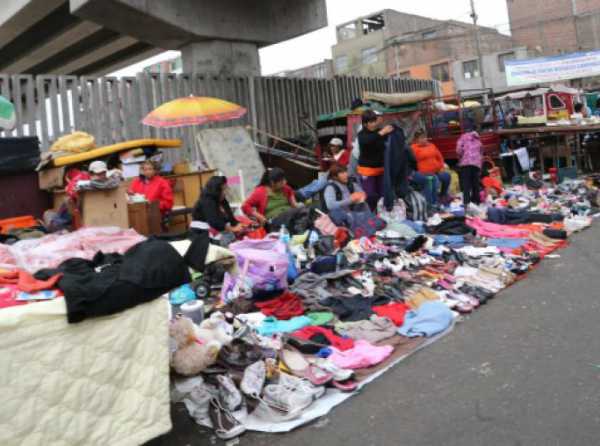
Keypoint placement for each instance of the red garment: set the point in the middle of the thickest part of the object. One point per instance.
(259, 198)
(283, 307)
(26, 282)
(394, 312)
(492, 183)
(309, 333)
(8, 296)
(74, 176)
(155, 189)
(429, 158)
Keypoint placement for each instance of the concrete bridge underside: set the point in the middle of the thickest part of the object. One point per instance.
(94, 37)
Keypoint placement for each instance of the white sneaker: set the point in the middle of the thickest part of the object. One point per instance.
(301, 386)
(338, 373)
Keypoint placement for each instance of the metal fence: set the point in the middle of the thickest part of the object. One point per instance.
(111, 109)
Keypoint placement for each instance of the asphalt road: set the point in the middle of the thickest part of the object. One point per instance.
(523, 370)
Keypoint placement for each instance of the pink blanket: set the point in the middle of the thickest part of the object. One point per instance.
(51, 250)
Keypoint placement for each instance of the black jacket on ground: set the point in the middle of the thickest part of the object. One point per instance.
(110, 283)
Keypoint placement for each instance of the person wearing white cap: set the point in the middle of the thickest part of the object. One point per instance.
(337, 154)
(98, 170)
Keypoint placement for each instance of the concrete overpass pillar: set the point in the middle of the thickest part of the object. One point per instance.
(223, 57)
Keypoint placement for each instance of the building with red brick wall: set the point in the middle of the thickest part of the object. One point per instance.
(555, 26)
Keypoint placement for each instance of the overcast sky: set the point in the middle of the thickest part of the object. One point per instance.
(316, 46)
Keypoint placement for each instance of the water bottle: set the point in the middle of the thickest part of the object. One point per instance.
(284, 236)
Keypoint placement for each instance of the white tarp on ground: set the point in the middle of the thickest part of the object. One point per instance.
(332, 398)
(231, 150)
(103, 381)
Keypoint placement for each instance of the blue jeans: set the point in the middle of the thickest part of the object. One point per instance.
(313, 187)
(431, 183)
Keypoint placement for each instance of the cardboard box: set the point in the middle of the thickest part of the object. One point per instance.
(52, 178)
(105, 207)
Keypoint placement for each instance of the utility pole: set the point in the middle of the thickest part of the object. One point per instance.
(477, 44)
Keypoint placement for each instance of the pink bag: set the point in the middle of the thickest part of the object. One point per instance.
(265, 262)
(325, 225)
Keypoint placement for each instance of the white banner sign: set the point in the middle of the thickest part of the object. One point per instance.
(552, 69)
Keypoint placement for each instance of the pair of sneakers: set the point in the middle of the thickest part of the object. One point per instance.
(287, 399)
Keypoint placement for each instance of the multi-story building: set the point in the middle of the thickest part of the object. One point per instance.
(555, 26)
(362, 44)
(466, 74)
(390, 43)
(321, 70)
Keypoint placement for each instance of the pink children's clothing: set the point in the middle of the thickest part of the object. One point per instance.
(493, 230)
(361, 356)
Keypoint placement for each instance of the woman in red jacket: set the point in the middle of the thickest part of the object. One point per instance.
(271, 198)
(153, 187)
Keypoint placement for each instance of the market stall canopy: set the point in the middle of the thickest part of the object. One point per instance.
(537, 92)
(8, 119)
(193, 110)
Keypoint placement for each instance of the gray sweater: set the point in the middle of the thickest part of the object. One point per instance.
(343, 204)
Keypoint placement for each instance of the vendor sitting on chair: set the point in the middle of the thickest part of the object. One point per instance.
(212, 211)
(271, 198)
(153, 187)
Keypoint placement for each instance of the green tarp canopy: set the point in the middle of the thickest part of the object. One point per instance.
(357, 111)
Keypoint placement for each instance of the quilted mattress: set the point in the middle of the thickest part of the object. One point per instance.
(103, 381)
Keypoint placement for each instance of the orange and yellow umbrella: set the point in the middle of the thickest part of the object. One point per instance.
(193, 110)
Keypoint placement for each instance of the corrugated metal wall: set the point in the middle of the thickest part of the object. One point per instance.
(111, 109)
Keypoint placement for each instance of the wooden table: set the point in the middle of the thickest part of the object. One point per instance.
(556, 132)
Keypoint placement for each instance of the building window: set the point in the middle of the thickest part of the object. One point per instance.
(556, 102)
(502, 58)
(341, 64)
(404, 75)
(369, 55)
(372, 24)
(440, 72)
(471, 69)
(429, 34)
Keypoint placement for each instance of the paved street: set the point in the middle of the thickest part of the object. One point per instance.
(524, 370)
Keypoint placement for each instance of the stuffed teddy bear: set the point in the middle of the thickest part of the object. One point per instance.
(215, 328)
(190, 355)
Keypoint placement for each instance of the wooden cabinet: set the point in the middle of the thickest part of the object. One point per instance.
(188, 186)
(145, 218)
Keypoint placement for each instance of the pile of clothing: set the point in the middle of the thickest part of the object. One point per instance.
(269, 334)
(344, 316)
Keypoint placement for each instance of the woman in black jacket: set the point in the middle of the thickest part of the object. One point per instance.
(212, 211)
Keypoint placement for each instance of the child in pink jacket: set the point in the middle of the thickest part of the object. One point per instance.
(470, 153)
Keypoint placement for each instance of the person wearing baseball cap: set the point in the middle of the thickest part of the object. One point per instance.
(335, 154)
(98, 170)
(340, 154)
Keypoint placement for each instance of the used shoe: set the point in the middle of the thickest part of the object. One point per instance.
(253, 380)
(229, 396)
(226, 426)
